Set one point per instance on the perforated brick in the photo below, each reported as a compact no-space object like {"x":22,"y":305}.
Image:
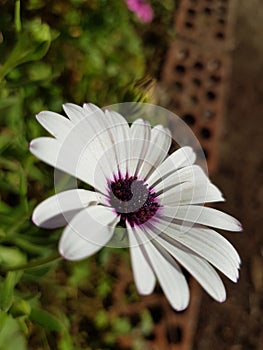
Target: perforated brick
{"x":196,"y":83}
{"x":171,"y":330}
{"x":211,"y":20}
{"x":197,"y":69}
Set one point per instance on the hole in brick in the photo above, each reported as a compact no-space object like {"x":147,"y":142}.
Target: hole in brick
{"x":174,"y":335}
{"x":220,"y":35}
{"x":191,"y":12}
{"x":215,"y":78}
{"x":156,"y":313}
{"x":214,"y":65}
{"x":86,"y":326}
{"x":221,"y":21}
{"x":188,"y":25}
{"x":135,"y":319}
{"x":210,"y":95}
{"x":205,"y":133}
{"x":197,"y":82}
{"x":207,"y":11}
{"x":208,"y":114}
{"x":150,"y":336}
{"x":194,"y":99}
{"x":179,"y":86}
{"x":188,"y":119}
{"x":180,"y":68}
{"x":108,"y":301}
{"x":198,"y":65}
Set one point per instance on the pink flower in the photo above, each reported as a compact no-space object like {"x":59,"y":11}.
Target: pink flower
{"x":142,"y":9}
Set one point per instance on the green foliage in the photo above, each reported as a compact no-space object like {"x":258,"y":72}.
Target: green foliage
{"x":45,"y":319}
{"x":7,"y":290}
{"x":52,"y":52}
{"x":32,"y":44}
{"x":11,"y":336}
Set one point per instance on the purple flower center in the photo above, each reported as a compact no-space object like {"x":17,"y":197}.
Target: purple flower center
{"x":132,"y":200}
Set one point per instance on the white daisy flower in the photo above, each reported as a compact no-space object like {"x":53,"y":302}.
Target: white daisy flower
{"x":157,"y":197}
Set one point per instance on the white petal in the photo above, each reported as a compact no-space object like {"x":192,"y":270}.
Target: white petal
{"x":120,"y":132}
{"x":142,"y":271}
{"x":207,"y":243}
{"x":55,"y":124}
{"x":46,"y":149}
{"x":203,"y":215}
{"x":157,"y":150}
{"x":74,"y":112}
{"x":90,"y":108}
{"x":140,"y":136}
{"x":182,"y":157}
{"x":92,"y":126}
{"x":198,"y":192}
{"x":199,"y":268}
{"x":72,"y":159}
{"x":88,"y":232}
{"x":115,"y":117}
{"x":168,"y":272}
{"x":190,"y":175}
{"x":184,"y":185}
{"x":58,"y":210}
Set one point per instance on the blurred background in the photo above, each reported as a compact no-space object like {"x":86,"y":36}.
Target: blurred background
{"x":201,"y":59}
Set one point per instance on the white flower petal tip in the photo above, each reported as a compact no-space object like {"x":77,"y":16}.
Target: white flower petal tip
{"x":239,"y":226}
{"x":45,"y":148}
{"x":91,"y":108}
{"x":33,"y":145}
{"x":54,"y":123}
{"x":221,"y":298}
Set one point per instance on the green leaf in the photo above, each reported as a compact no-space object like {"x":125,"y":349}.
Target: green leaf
{"x":146,"y":322}
{"x":37,"y":273}
{"x":102,"y":319}
{"x":7,"y":289}
{"x":122,"y":326}
{"x":11,"y":257}
{"x":11,"y":336}
{"x":45,"y":319}
{"x":20,"y":307}
{"x":104,"y":287}
{"x":8,"y":102}
{"x":80,"y":273}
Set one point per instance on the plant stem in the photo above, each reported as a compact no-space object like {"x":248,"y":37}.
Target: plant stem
{"x":35,"y":263}
{"x":18,"y":25}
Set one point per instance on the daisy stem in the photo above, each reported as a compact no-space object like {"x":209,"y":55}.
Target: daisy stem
{"x":35,"y":263}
